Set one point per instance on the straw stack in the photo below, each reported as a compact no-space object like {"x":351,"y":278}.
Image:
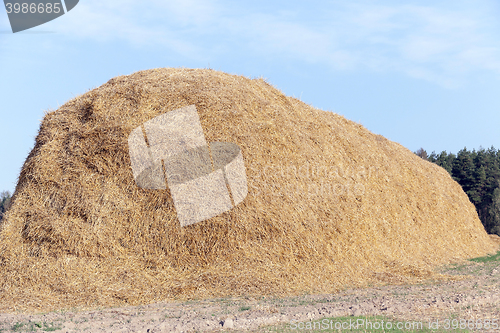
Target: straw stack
{"x":330,"y":205}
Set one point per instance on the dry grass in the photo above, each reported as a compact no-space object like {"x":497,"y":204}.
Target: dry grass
{"x":330,"y":204}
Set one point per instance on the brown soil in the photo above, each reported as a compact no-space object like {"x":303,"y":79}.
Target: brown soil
{"x":472,"y":292}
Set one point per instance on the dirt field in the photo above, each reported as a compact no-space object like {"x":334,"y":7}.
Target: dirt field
{"x":475,"y":297}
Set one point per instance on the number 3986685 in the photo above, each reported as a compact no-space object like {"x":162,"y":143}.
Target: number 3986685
{"x":33,"y":8}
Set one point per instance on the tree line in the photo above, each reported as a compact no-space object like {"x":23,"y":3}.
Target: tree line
{"x":478,"y":172}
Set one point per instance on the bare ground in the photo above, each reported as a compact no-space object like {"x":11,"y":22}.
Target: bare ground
{"x":475,"y":297}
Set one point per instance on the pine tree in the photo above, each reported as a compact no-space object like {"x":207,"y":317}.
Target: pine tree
{"x":495,"y":212}
{"x":463,"y":170}
{"x":446,"y":161}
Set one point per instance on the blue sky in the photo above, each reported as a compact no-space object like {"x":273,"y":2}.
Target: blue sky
{"x":421,"y":73}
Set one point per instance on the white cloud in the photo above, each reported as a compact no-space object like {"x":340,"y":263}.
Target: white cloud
{"x":439,"y":43}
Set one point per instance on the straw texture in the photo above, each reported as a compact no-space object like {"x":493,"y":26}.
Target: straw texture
{"x":330,"y":205}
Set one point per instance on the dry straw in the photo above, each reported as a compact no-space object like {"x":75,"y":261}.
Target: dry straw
{"x":330,"y":204}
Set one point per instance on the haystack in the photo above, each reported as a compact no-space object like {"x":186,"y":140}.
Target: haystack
{"x":326,"y":204}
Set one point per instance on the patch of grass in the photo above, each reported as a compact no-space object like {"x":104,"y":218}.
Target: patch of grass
{"x":34,"y":326}
{"x":17,"y":327}
{"x":493,"y":257}
{"x":474,"y":266}
{"x":366,"y":324}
